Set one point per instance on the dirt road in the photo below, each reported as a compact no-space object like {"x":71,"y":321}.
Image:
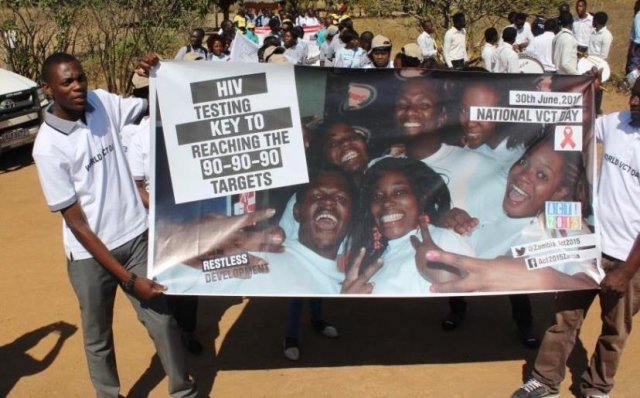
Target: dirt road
{"x":387,"y":348}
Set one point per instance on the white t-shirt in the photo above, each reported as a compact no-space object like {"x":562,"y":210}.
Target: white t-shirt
{"x":476,"y":182}
{"x":297,"y":271}
{"x":399,"y":275}
{"x":582,"y":29}
{"x":427,"y":45}
{"x":454,"y":47}
{"x":542,"y":48}
{"x":489,"y":56}
{"x":138,"y":154}
{"x":506,"y":60}
{"x":600,"y":43}
{"x":618,"y":209}
{"x":502,"y":155}
{"x":85,"y":163}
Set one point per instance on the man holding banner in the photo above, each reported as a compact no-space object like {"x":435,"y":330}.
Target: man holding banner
{"x":619,"y":219}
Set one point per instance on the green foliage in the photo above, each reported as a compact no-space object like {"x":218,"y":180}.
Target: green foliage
{"x":107,"y":35}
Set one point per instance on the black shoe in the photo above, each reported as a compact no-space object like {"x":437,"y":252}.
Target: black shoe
{"x":327,"y":329}
{"x":291,"y":349}
{"x":452,"y":321}
{"x":528,"y":338}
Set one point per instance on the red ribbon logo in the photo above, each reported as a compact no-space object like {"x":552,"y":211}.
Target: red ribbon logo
{"x":568,"y":138}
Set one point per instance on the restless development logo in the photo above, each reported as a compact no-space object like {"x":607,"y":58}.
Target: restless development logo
{"x":236,"y":266}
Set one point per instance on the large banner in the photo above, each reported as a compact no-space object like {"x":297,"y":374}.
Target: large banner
{"x":275,"y":180}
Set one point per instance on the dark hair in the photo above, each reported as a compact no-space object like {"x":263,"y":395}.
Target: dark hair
{"x":509,"y":34}
{"x":407,"y":61}
{"x":582,"y":1}
{"x":274,"y":23}
{"x":200,"y":31}
{"x":458,"y":18}
{"x":428,"y":187}
{"x":318,"y":141}
{"x":565,"y":19}
{"x":426,"y":22}
{"x":345,"y":24}
{"x":551,"y":25}
{"x":491,"y":35}
{"x":601,"y":18}
{"x":289,"y":25}
{"x":366,"y":36}
{"x":521,"y":16}
{"x":212,"y":39}
{"x":347,"y":35}
{"x":298,"y":32}
{"x":271,"y":41}
{"x":54,"y":60}
{"x":512,"y":16}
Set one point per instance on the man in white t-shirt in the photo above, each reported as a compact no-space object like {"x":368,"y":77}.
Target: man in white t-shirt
{"x":599,"y":46}
{"x":454,"y":48}
{"x":427,"y":42}
{"x":506,"y":57}
{"x":582,"y":26}
{"x":84,"y":175}
{"x":619,"y":219}
{"x":541,"y":46}
{"x":489,"y":56}
{"x":565,"y":47}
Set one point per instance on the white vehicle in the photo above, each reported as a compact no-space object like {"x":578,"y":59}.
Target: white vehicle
{"x":21,"y":104}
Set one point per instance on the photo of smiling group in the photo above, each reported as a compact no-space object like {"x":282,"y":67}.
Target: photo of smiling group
{"x":420,"y":184}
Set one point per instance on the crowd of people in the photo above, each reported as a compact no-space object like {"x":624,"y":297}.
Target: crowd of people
{"x":94,"y":147}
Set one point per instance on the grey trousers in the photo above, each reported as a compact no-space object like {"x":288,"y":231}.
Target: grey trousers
{"x":96,"y":288}
{"x":559,"y":340}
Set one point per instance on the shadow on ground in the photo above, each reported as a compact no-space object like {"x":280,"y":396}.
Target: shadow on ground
{"x":16,"y":159}
{"x":372,"y":332}
{"x":17,"y":362}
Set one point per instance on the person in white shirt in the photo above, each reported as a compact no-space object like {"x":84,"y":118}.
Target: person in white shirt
{"x":294,"y":48}
{"x":582,"y":26}
{"x":327,"y":53}
{"x":395,"y":194}
{"x":454,"y":48}
{"x":503,"y":142}
{"x":427,"y":42}
{"x":506,"y":57}
{"x":195,"y":45}
{"x":489,"y":51}
{"x":351,"y":55}
{"x":84,"y":175}
{"x":541,"y":46}
{"x":565,"y":47}
{"x":601,"y":38}
{"x":524,"y":34}
{"x":380,"y":53}
{"x":599,"y":46}
{"x":618,"y":213}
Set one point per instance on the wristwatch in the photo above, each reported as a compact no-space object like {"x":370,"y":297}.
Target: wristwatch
{"x":128,"y":285}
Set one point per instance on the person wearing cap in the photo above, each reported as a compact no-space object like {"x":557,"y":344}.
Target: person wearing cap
{"x":454,"y":49}
{"x":380,"y":53}
{"x":327,"y":53}
{"x":427,"y":42}
{"x":273,"y":54}
{"x":351,"y":56}
{"x":250,"y":33}
{"x":195,"y":45}
{"x":410,"y":56}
